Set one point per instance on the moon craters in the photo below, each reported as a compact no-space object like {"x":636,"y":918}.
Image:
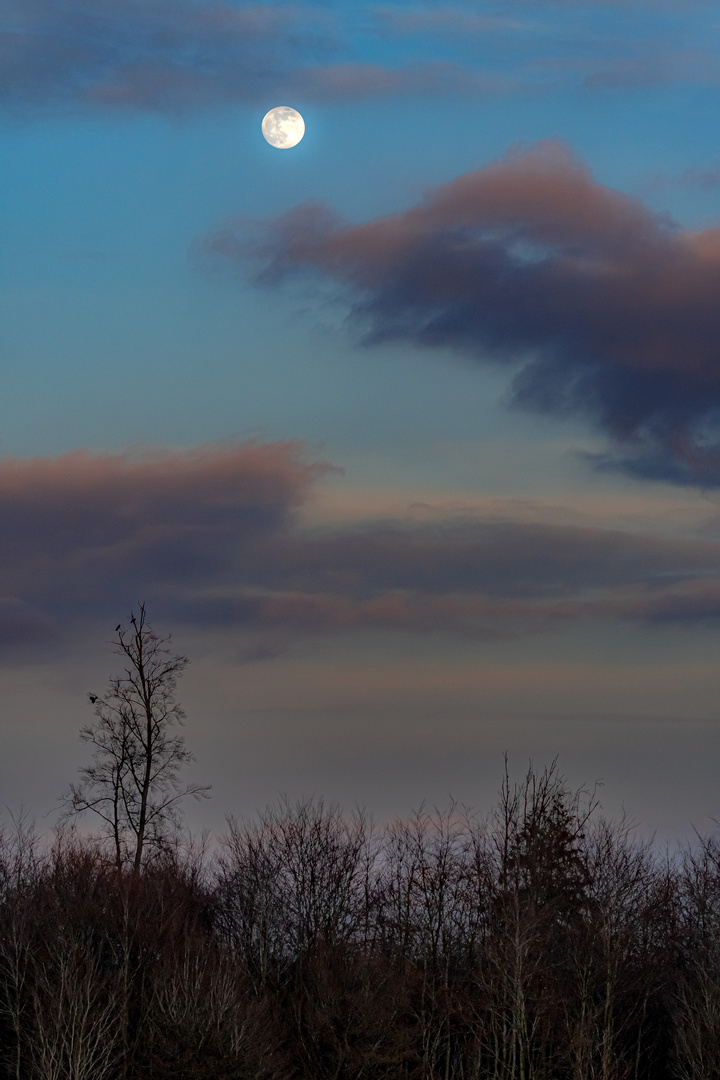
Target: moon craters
{"x":283,"y":127}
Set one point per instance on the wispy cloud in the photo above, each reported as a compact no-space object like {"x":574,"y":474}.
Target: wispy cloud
{"x":211,"y":538}
{"x":606,"y":310}
{"x":696,"y":178}
{"x":172,"y":56}
{"x":593,"y":44}
{"x":453,"y":21}
{"x":156,"y":54}
{"x":179,"y":55}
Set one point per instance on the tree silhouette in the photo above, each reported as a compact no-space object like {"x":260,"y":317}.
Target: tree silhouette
{"x":134,"y":785}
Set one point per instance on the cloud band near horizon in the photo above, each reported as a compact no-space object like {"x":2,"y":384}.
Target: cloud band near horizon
{"x":213,"y":538}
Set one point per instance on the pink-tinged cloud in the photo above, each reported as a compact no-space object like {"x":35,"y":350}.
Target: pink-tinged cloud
{"x":214,"y":537}
{"x":84,"y":532}
{"x":334,"y":81}
{"x":609,"y":311}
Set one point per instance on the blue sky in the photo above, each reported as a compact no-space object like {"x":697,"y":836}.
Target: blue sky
{"x":483,"y":567}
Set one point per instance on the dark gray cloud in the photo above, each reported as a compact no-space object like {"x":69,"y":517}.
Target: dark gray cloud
{"x":607,"y":310}
{"x":212,"y":538}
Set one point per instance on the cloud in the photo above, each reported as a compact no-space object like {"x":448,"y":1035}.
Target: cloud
{"x":704,"y":179}
{"x":592,"y":44}
{"x":213,"y":538}
{"x":445,"y":20}
{"x":696,"y":178}
{"x":174,"y":56}
{"x":353,"y":80}
{"x":660,"y":64}
{"x":84,"y":533}
{"x":177,"y":55}
{"x":150,"y":54}
{"x":603,"y":309}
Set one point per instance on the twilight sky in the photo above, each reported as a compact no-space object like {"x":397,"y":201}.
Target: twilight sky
{"x":410,"y":435}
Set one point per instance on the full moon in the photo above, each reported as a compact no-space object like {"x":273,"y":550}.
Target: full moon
{"x":283,"y":127}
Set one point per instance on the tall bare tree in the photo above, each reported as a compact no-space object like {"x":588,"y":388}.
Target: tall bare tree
{"x":134,"y":785}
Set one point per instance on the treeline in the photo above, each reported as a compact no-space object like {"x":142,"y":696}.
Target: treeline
{"x":543,"y":943}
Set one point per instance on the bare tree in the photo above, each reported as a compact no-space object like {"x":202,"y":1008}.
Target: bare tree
{"x":294,"y":879}
{"x":20,"y":868}
{"x":697,"y":994}
{"x":427,"y":918}
{"x":133,"y":785}
{"x":74,"y":1027}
